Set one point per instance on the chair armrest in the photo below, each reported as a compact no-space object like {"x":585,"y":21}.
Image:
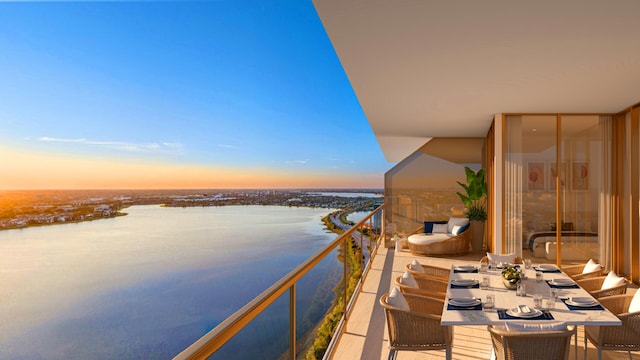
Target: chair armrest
{"x":617,"y":304}
{"x":591,"y":284}
{"x":573,"y":269}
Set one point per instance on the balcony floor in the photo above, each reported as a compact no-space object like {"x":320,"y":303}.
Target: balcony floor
{"x":366,"y":333}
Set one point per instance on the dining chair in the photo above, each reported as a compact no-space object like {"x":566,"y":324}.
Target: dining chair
{"x":531,"y":344}
{"x":417,"y":328}
{"x":518,"y":260}
{"x":578,"y":272}
{"x":596,"y":287}
{"x":416,"y":268}
{"x":426,"y":287}
{"x":622,"y":338}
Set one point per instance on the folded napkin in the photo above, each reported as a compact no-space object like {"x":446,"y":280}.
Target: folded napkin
{"x":557,"y":271}
{"x":572,"y":307}
{"x":502,"y":315}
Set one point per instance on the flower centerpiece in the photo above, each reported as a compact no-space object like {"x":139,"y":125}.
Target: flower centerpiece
{"x":510,"y":277}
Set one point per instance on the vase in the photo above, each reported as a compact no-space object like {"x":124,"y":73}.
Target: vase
{"x":510,"y":284}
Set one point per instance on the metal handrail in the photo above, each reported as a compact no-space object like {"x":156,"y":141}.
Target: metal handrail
{"x":223,"y":332}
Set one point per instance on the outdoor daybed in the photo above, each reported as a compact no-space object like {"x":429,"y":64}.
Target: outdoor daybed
{"x":442,"y":238}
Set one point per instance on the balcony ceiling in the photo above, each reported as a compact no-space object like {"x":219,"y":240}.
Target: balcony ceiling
{"x":434,"y":68}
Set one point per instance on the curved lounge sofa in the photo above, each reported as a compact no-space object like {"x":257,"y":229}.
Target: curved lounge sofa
{"x":440,"y":243}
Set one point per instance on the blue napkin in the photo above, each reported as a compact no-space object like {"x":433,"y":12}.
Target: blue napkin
{"x":574,"y":286}
{"x":572,"y":307}
{"x":474,"y":271}
{"x":476,"y":286}
{"x":557,"y":271}
{"x":502,"y":315}
{"x":455,"y":307}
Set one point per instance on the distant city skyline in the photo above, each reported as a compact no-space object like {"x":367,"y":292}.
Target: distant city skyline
{"x":151,"y":95}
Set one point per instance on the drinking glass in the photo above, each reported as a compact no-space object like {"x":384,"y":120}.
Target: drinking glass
{"x":527,"y":263}
{"x":550,"y":303}
{"x":489,"y":302}
{"x":484,"y":267}
{"x":484,"y":283}
{"x":537,"y":301}
{"x":554,"y":293}
{"x":539,"y":276}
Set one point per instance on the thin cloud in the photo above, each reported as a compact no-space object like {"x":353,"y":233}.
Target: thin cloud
{"x":119,"y":145}
{"x":301,"y":162}
{"x":225,"y":146}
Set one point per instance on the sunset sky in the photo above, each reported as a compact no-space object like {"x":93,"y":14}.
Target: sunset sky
{"x":224,"y":94}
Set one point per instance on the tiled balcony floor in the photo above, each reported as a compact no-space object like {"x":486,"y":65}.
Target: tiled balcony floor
{"x":366,"y":333}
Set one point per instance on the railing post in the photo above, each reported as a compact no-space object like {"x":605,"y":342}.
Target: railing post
{"x":292,"y":322}
{"x":344,"y":275}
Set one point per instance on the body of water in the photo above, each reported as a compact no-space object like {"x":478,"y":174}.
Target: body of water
{"x":149,"y":284}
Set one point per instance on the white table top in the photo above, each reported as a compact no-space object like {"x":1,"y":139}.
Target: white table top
{"x":507,"y":299}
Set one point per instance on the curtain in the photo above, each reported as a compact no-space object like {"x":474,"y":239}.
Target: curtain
{"x":513,"y":183}
{"x":605,"y":201}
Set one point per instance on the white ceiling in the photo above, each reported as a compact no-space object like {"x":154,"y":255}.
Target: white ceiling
{"x":443,"y":68}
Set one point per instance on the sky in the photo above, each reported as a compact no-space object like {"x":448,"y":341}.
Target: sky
{"x":207,"y":94}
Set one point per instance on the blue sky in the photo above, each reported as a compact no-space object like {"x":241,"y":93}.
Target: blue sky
{"x":251,"y":87}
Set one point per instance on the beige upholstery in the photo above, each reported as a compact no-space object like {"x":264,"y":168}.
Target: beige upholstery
{"x":625,"y":337}
{"x":513,"y":345}
{"x":455,"y":245}
{"x":419,"y":328}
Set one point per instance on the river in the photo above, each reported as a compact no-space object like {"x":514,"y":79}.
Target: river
{"x":151,"y":283}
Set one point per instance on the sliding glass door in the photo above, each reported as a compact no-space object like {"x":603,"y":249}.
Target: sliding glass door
{"x":555,"y":168}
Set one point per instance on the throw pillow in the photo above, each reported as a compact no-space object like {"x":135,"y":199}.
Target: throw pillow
{"x":440,"y":228}
{"x":408,"y":279}
{"x":590,"y":266}
{"x":456,"y":221}
{"x":396,"y":299}
{"x":612,"y":280}
{"x":635,"y":302}
{"x":555,"y":326}
{"x":415,"y":266}
{"x":428,"y":226}
{"x":456,"y":230}
{"x":505,"y":258}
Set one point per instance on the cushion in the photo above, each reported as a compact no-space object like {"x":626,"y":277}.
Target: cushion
{"x":428,"y":225}
{"x":550,"y":326}
{"x":408,"y":279}
{"x":612,"y":280}
{"x":504,"y":258}
{"x":635,"y":302}
{"x":440,"y":229}
{"x":456,"y":221}
{"x":456,"y":229}
{"x":590,"y":266}
{"x":397,"y":299}
{"x":415,"y":266}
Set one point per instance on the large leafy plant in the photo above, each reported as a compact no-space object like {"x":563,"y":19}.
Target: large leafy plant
{"x":475,"y":195}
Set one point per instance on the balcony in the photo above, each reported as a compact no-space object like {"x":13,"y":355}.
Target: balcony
{"x":364,"y":334}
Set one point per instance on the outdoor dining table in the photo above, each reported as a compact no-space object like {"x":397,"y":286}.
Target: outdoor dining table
{"x":506,"y":299}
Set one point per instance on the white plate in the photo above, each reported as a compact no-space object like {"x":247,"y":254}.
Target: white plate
{"x":533,"y":313}
{"x":562,"y":282}
{"x":582,"y":301}
{"x":547,"y":267}
{"x":464,"y":282}
{"x":465,"y":302}
{"x":465,"y":267}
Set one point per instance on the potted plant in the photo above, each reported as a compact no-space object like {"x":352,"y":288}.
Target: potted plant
{"x":474,"y":198}
{"x":510,"y":277}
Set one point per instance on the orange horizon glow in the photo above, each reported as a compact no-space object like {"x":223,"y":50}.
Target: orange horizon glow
{"x":39,"y":171}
